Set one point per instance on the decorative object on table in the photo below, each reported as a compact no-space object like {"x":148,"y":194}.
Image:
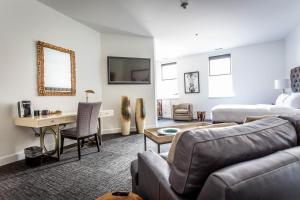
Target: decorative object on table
{"x":87,"y":92}
{"x":86,"y":125}
{"x":140,"y":115}
{"x":201,"y":116}
{"x":56,"y":112}
{"x":125,"y":115}
{"x":282,"y":84}
{"x":168,"y":131}
{"x":56,"y":70}
{"x":33,"y":156}
{"x":191,"y":82}
{"x":24,"y":108}
{"x":37,"y":113}
{"x":183,"y":111}
{"x":45,"y":112}
{"x":120,"y":196}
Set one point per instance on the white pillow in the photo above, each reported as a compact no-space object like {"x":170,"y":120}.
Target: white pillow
{"x":281,"y":99}
{"x":292,"y":101}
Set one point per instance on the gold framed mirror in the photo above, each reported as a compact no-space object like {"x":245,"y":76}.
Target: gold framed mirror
{"x":56,"y":70}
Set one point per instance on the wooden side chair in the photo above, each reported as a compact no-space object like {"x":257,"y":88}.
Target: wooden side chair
{"x":86,"y":125}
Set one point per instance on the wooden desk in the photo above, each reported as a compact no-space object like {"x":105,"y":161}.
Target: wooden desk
{"x":50,"y":125}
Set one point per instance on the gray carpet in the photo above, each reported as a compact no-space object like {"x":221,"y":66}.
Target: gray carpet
{"x":95,"y":174}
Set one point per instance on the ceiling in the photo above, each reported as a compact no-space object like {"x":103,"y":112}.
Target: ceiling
{"x":217,"y":23}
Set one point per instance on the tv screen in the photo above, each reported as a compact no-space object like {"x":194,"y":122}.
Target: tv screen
{"x":123,"y":70}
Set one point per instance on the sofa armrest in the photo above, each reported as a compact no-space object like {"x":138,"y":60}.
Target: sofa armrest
{"x":153,"y":177}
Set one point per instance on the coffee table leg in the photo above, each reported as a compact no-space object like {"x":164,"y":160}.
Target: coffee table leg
{"x":158,"y":148}
{"x":145,"y":143}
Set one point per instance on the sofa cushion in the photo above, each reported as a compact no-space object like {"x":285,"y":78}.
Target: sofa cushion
{"x":275,"y":176}
{"x":201,"y":152}
{"x":295,"y":120}
{"x":170,"y":156}
{"x":181,"y":111}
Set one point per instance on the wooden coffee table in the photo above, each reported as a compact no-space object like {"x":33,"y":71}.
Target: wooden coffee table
{"x":153,"y":135}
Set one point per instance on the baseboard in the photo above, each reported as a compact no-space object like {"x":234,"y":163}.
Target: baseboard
{"x":4,"y":160}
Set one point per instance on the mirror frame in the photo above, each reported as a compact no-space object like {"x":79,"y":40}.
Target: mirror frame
{"x":40,"y":63}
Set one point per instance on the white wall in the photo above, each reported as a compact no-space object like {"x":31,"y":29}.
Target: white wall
{"x":254,"y":70}
{"x":292,"y":45}
{"x":126,"y":46}
{"x":22,"y":24}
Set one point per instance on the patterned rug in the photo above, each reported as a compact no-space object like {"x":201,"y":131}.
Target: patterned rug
{"x":95,"y":174}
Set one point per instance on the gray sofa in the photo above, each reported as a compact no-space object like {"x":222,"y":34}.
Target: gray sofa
{"x":257,"y":160}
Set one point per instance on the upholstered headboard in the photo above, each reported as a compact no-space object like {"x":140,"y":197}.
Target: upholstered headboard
{"x":295,"y":79}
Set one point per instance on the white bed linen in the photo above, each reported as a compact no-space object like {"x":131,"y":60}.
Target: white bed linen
{"x":238,"y":112}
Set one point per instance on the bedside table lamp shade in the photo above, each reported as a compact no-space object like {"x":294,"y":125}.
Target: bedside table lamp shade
{"x":282,"y":84}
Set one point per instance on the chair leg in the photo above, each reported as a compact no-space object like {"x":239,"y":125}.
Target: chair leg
{"x":82,"y":143}
{"x":100,"y":137}
{"x":62,"y":144}
{"x":78,"y":146}
{"x":97,"y":142}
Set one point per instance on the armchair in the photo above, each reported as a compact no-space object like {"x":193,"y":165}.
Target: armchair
{"x":183,"y":112}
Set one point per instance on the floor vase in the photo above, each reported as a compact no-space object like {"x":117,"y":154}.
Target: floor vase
{"x":140,"y":115}
{"x":125,"y":115}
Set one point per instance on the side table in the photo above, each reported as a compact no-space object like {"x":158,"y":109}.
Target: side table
{"x":201,"y":116}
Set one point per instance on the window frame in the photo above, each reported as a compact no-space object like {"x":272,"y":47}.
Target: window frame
{"x":162,"y":74}
{"x":227,"y":74}
{"x":219,"y":57}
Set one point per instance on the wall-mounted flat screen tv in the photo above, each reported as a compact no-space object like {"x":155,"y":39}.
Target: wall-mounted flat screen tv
{"x":125,"y":70}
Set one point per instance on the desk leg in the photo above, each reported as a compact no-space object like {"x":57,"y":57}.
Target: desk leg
{"x":145,"y":143}
{"x":53,"y":130}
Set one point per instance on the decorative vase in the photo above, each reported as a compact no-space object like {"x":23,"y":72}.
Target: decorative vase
{"x":125,"y":115}
{"x":140,"y":115}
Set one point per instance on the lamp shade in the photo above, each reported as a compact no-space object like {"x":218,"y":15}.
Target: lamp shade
{"x":282,"y":84}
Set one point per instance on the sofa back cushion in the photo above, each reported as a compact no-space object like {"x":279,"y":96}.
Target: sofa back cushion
{"x":275,"y":176}
{"x":172,"y":149}
{"x":201,"y":152}
{"x":295,"y":120}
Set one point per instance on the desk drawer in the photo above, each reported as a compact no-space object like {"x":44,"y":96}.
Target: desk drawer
{"x":48,"y":122}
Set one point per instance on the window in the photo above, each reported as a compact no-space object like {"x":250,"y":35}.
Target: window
{"x":220,"y":76}
{"x":169,"y":80}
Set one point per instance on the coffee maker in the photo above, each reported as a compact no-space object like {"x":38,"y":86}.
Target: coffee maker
{"x":24,"y":108}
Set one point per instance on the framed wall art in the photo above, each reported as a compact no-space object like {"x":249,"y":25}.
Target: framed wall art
{"x":191,"y":82}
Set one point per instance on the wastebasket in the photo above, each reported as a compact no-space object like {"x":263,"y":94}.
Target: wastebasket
{"x":33,"y":156}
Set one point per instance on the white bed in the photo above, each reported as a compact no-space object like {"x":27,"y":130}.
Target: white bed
{"x":285,"y":105}
{"x":238,"y":113}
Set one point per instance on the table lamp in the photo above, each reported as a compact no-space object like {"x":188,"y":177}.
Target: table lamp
{"x":282,"y":84}
{"x":87,"y":92}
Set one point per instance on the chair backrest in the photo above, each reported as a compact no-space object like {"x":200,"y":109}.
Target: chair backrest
{"x":184,"y":106}
{"x":87,"y":118}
